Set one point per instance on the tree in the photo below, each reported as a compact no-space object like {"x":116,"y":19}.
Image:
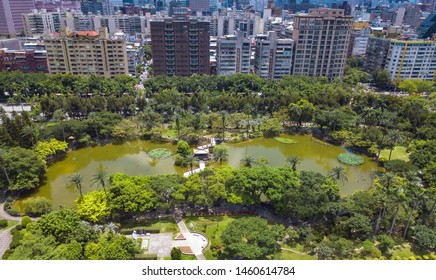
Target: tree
{"x":220,"y":154}
{"x":382,"y":78}
{"x":22,"y":169}
{"x":183,"y":148}
{"x":338,"y":173}
{"x":111,"y":247}
{"x":249,"y":238}
{"x":126,"y":128}
{"x":424,"y":238}
{"x":385,"y":243}
{"x":393,"y":138}
{"x":76,"y":181}
{"x":358,"y":226}
{"x":302,"y":111}
{"x":51,"y":148}
{"x":100,"y":177}
{"x":93,"y":207}
{"x":176,"y":254}
{"x":224,"y":117}
{"x":190,"y":160}
{"x":248,"y":161}
{"x":293,"y":161}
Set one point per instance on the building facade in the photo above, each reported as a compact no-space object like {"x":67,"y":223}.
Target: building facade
{"x":233,"y":54}
{"x":86,"y":52}
{"x":23,"y":60}
{"x":376,"y":53}
{"x":321,"y":40}
{"x":11,"y":21}
{"x":411,"y":60}
{"x":273,"y":56}
{"x":41,"y":22}
{"x":180,"y":46}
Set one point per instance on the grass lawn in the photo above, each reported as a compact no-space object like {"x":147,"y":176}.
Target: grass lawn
{"x":398,"y":153}
{"x":10,"y":224}
{"x":213,"y":227}
{"x":288,"y":255}
{"x":188,"y":257}
{"x":172,"y":133}
{"x":164,"y":225}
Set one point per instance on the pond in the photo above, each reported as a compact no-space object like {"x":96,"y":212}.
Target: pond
{"x":131,"y":158}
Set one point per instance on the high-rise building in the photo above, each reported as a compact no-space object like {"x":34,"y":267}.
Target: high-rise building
{"x":86,"y":52}
{"x":180,"y":46}
{"x":321,"y":40}
{"x":55,"y":5}
{"x":427,"y":29}
{"x":11,"y":21}
{"x":23,"y":60}
{"x":411,"y":60}
{"x":103,"y":7}
{"x":376,"y":53}
{"x":412,"y":16}
{"x":41,"y":22}
{"x":233,"y":54}
{"x":273,"y":56}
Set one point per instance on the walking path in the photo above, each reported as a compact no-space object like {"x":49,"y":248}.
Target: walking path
{"x":195,"y":247}
{"x":6,"y":216}
{"x":5,"y":240}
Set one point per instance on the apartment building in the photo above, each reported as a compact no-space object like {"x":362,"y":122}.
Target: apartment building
{"x":11,"y":21}
{"x":411,"y":60}
{"x":41,"y":22}
{"x":233,"y":54}
{"x":86,"y":52}
{"x":180,"y":46}
{"x":23,"y":60}
{"x":376,"y":53}
{"x":321,"y":40}
{"x":273,"y":56}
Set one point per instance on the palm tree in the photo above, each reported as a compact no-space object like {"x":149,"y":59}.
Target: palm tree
{"x":399,"y":198}
{"x":100,"y":177}
{"x":31,"y":131}
{"x":3,"y":153}
{"x":338,"y":173}
{"x":394,"y":138}
{"x":248,"y":161}
{"x":60,"y":116}
{"x":76,"y":181}
{"x":224,"y":116}
{"x":417,"y":195}
{"x":293,"y":161}
{"x":190,"y":160}
{"x":220,"y":154}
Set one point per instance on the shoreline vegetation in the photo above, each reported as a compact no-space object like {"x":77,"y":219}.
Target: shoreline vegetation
{"x":70,"y":112}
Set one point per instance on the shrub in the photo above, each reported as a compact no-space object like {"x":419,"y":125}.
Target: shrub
{"x":350,"y":159}
{"x":3,"y":223}
{"x":19,"y":227}
{"x":9,"y":207}
{"x":36,"y":205}
{"x":25,"y":221}
{"x":176,"y":254}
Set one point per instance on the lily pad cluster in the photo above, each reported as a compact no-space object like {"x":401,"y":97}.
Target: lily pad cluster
{"x":350,"y":159}
{"x":160,"y":153}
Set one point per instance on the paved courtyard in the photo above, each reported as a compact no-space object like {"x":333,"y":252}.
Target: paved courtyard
{"x":160,"y":244}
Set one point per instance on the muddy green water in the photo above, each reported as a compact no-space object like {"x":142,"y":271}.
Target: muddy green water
{"x":131,"y":158}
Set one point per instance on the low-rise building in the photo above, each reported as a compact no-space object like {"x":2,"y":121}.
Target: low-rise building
{"x":23,"y":60}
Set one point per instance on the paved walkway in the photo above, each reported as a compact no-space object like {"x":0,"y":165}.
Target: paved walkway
{"x":5,"y":240}
{"x":160,"y":244}
{"x":195,"y":246}
{"x":6,"y":216}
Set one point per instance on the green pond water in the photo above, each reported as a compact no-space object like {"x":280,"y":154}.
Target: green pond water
{"x":131,"y":158}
